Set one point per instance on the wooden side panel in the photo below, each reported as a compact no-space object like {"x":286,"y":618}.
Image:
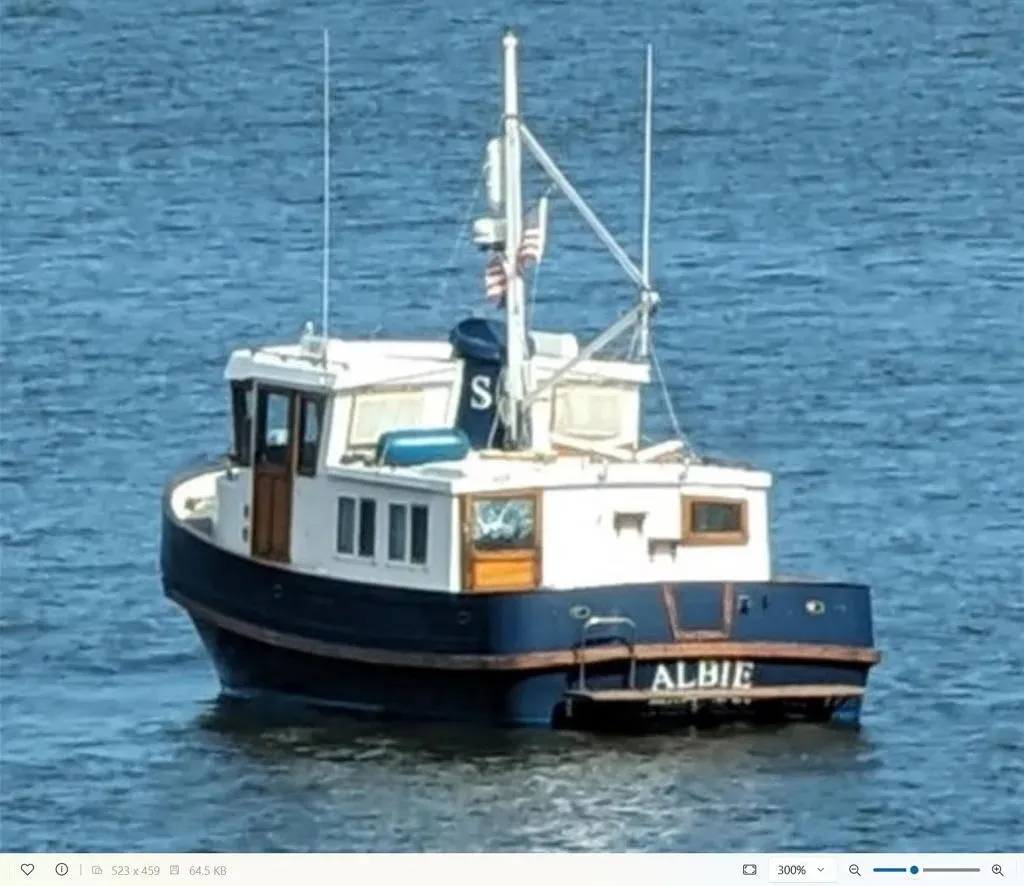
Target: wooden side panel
{"x":281,"y":522}
{"x":272,"y":516}
{"x":262,"y":514}
{"x":274,"y":464}
{"x":507,"y":574}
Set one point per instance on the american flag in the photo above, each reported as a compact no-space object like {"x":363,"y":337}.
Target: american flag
{"x":531,"y":249}
{"x":495,"y":279}
{"x":535,"y":235}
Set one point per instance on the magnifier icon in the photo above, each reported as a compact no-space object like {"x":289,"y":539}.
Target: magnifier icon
{"x":855,"y":870}
{"x":997,"y":869}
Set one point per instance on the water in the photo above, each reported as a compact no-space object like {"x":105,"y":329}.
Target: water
{"x":839,"y":208}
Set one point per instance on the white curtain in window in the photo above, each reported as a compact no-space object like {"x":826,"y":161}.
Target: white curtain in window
{"x":590,"y":411}
{"x":375,"y":413}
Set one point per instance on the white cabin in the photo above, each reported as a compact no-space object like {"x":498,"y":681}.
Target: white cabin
{"x":550,"y":489}
{"x":582,"y":506}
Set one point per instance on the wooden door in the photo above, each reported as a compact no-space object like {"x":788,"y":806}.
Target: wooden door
{"x":501,"y":535}
{"x":273,"y":473}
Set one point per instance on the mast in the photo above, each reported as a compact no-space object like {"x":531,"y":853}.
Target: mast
{"x":325,"y":294}
{"x":645,"y":263}
{"x":518,"y":397}
{"x":515,"y":345}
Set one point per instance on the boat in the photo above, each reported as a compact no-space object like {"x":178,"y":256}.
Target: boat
{"x":475,"y":530}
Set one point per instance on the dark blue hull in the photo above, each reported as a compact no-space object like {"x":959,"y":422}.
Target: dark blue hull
{"x":249,"y":669}
{"x":705,"y":651}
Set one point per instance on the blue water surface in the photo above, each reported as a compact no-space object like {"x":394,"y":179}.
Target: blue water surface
{"x":839,"y":239}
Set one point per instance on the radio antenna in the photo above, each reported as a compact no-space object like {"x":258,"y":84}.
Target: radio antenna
{"x":325,"y":295}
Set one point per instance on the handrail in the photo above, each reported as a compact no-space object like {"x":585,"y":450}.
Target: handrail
{"x":595,"y":621}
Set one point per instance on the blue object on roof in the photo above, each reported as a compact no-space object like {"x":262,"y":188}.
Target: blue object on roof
{"x":419,"y":446}
{"x":480,"y":338}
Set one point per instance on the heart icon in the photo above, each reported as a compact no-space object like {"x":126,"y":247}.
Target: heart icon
{"x":27,"y":869}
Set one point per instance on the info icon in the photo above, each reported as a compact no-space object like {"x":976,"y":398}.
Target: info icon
{"x":750,"y":870}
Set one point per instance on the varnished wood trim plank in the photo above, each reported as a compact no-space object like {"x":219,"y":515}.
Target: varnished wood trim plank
{"x":752,"y":693}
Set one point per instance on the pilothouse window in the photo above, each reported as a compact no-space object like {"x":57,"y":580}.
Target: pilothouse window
{"x":311,"y":419}
{"x":241,"y":423}
{"x":373,"y":413}
{"x":275,"y":422}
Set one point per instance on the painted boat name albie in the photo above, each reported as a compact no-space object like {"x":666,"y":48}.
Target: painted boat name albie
{"x":703,"y":675}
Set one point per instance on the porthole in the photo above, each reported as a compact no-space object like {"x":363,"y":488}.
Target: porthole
{"x":580,"y":612}
{"x":814,"y":607}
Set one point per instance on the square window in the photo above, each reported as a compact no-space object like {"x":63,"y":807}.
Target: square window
{"x":504,"y":523}
{"x":714,"y":521}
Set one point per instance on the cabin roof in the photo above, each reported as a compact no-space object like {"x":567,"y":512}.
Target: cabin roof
{"x":492,"y":472}
{"x":353,"y":363}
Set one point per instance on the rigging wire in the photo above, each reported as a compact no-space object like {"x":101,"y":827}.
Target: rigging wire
{"x":689,"y":454}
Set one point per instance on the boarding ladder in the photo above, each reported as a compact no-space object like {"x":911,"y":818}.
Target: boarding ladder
{"x":600,"y":621}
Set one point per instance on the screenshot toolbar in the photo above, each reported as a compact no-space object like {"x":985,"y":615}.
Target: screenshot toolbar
{"x":747,"y":869}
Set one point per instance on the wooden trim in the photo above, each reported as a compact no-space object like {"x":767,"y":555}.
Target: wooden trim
{"x":469,"y":554}
{"x":679,"y":631}
{"x":465,"y":542}
{"x":728,"y":607}
{"x":509,"y":554}
{"x":751,"y":693}
{"x":534,"y":661}
{"x":268,"y":478}
{"x":701,"y":539}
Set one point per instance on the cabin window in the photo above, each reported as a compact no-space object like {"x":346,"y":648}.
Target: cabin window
{"x":593,"y":412}
{"x":311,"y":420}
{"x":710,"y":521}
{"x":373,"y":413}
{"x":398,"y":531}
{"x":367,"y":527}
{"x":408,"y":533}
{"x":420,"y":522}
{"x":504,"y":524}
{"x":241,"y":423}
{"x":275,"y":428}
{"x":357,"y":526}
